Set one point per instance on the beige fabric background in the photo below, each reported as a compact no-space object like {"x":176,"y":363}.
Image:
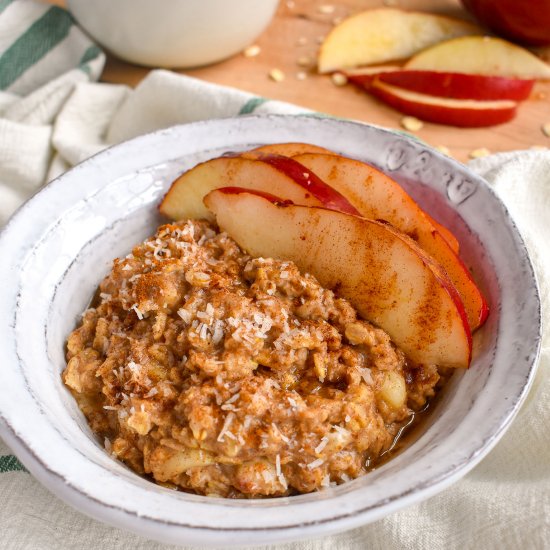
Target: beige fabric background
{"x":504,"y":503}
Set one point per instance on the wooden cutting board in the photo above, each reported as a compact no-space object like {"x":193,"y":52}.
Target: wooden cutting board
{"x":295,"y":33}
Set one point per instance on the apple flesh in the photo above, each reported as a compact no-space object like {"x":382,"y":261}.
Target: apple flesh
{"x":287,"y":149}
{"x":268,"y":196}
{"x":330,"y":198}
{"x":386,"y":34}
{"x":454,"y":112}
{"x":452,"y":241}
{"x":280,"y":176}
{"x":452,"y":85}
{"x":385,"y":275}
{"x":376,"y":196}
{"x":480,"y":55}
{"x":526,"y":22}
{"x":184,"y":199}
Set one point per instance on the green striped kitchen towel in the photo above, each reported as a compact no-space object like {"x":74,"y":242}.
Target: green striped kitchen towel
{"x":53,"y":116}
{"x":44,"y":55}
{"x":40,"y":42}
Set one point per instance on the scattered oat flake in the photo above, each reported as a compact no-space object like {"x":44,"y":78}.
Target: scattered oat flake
{"x":546,"y":129}
{"x":479,"y":153}
{"x":411,"y":123}
{"x":339,"y":79}
{"x":326,"y":9}
{"x":443,"y":149}
{"x":304,"y":61}
{"x":276,"y":75}
{"x":302,"y":41}
{"x":252,"y":51}
{"x":290,"y":4}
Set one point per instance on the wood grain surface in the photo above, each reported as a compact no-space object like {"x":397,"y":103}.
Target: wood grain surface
{"x":282,"y":44}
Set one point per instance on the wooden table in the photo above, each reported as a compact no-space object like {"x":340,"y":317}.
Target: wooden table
{"x":301,"y":21}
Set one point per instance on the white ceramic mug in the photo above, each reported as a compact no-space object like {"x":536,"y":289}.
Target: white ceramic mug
{"x":173,"y":33}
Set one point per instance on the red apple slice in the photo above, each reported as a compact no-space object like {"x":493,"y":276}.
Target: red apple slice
{"x":465,"y":113}
{"x":481,"y":55}
{"x":452,"y":241}
{"x":383,"y":273}
{"x":452,"y":85}
{"x":386,"y":34}
{"x":287,"y":149}
{"x":294,"y":149}
{"x":273,"y":174}
{"x":378,"y":197}
{"x":329,"y":197}
{"x":184,"y":199}
{"x":527,"y":22}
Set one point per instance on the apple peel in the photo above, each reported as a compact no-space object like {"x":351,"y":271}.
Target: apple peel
{"x":454,"y":112}
{"x":453,"y":85}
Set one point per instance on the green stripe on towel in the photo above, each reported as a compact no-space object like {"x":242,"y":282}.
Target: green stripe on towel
{"x":39,"y":39}
{"x":90,"y":54}
{"x":251,"y":105}
{"x":4,"y":4}
{"x":9,"y":463}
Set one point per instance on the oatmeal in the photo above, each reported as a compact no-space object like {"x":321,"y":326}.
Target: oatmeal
{"x":221,"y":374}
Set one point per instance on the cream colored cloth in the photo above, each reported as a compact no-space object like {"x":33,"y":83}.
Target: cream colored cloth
{"x":43,"y":56}
{"x":93,"y":116}
{"x":504,"y":503}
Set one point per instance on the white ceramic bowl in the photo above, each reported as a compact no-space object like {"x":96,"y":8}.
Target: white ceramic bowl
{"x":173,"y":33}
{"x":60,"y":245}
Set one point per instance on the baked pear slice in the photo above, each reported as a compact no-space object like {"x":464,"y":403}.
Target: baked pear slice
{"x":388,"y":278}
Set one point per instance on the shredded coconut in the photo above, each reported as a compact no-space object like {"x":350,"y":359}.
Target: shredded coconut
{"x":227,"y":423}
{"x":315,"y":464}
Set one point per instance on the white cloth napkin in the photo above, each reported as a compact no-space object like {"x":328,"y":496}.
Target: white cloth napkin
{"x":503,"y":503}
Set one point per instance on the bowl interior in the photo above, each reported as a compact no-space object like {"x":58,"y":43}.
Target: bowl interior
{"x":99,"y":210}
